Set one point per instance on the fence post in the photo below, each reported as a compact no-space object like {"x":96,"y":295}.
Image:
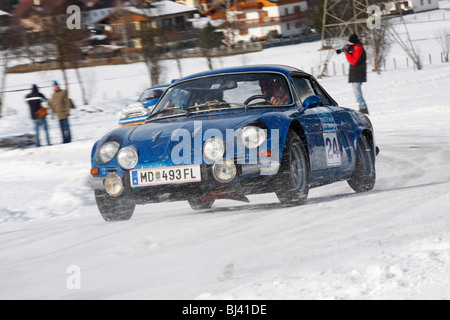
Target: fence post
{"x":395,"y":64}
{"x":407,"y":62}
{"x":429,"y":56}
{"x":334,"y":68}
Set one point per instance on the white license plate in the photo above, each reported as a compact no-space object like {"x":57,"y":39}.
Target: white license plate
{"x":169,"y":175}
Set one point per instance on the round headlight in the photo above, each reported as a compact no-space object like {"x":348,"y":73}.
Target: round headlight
{"x":108,"y":151}
{"x":224,"y":171}
{"x":252,"y":137}
{"x":127,"y":158}
{"x":113,"y":185}
{"x":213,"y":149}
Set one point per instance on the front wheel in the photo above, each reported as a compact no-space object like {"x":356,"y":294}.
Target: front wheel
{"x":363,"y":178}
{"x":112,"y":208}
{"x":291,"y":184}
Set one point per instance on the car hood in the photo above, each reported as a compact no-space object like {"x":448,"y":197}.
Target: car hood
{"x":222,"y":120}
{"x":156,"y":140}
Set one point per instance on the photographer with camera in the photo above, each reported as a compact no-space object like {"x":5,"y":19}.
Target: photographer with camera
{"x":356,"y":56}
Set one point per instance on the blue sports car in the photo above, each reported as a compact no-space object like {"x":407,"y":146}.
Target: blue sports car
{"x":228,"y":133}
{"x":136,"y":112}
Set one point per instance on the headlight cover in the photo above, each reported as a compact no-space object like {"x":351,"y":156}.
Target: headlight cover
{"x":114,"y":185}
{"x":224,"y":171}
{"x":127,"y":158}
{"x":252,"y":137}
{"x":213,"y":149}
{"x":108,"y":151}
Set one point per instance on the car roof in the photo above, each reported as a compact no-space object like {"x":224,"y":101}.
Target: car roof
{"x":159,"y":87}
{"x":286,"y":70}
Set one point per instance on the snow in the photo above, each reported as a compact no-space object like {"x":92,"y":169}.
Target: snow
{"x":390,"y":243}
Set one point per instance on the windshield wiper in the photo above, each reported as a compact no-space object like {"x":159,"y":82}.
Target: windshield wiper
{"x":206,"y":106}
{"x":167,"y":110}
{"x":209,"y":105}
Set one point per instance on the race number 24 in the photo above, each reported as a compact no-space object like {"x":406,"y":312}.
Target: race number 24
{"x":332,"y":149}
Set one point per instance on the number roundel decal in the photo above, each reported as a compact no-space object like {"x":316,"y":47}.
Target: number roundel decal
{"x":330,"y":137}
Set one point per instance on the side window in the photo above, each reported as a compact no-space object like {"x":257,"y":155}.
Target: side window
{"x":302,"y":87}
{"x":319,"y":92}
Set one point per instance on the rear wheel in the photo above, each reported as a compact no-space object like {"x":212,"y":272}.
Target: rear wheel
{"x":198,"y":204}
{"x":363,"y":178}
{"x":291,"y":184}
{"x":112,"y":208}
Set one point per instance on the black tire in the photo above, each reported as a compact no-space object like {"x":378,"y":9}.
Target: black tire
{"x":291,"y":184}
{"x":197,"y":204}
{"x":364,"y":176}
{"x":113,"y":209}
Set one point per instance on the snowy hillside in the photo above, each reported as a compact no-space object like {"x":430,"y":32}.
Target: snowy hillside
{"x":390,"y":243}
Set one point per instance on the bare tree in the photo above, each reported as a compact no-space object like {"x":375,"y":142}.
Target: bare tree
{"x":380,"y":44}
{"x":151,"y":52}
{"x":174,"y":39}
{"x":443,"y":37}
{"x":4,"y":59}
{"x":207,"y":41}
{"x":10,"y":42}
{"x":66,"y":42}
{"x":150,"y":35}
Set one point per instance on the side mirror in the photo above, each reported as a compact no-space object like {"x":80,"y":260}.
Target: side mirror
{"x":311,"y":102}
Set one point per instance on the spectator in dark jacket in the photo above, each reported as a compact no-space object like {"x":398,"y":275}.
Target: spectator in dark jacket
{"x":35,"y":99}
{"x":356,"y":56}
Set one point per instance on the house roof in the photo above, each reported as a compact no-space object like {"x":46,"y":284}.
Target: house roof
{"x":163,"y":8}
{"x":2,"y":13}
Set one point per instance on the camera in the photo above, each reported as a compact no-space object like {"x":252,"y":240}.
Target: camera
{"x":347,"y":48}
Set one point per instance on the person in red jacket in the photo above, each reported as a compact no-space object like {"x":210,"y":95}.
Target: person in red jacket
{"x":356,"y":56}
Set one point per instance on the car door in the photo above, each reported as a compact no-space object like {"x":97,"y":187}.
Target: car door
{"x":337,"y":143}
{"x":325,"y":139}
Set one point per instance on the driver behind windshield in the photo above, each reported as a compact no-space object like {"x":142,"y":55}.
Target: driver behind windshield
{"x":214,"y":96}
{"x":276,"y":91}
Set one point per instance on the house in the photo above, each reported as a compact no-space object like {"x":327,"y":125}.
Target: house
{"x":424,"y":5}
{"x":249,"y":19}
{"x":123,"y":25}
{"x":408,"y":6}
{"x":95,"y":10}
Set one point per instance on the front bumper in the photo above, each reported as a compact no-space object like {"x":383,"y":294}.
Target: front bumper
{"x":246,"y":173}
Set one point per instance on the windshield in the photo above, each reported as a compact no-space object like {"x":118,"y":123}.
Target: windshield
{"x":224,"y":91}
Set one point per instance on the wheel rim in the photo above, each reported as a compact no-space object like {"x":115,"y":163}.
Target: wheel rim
{"x":298,"y":168}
